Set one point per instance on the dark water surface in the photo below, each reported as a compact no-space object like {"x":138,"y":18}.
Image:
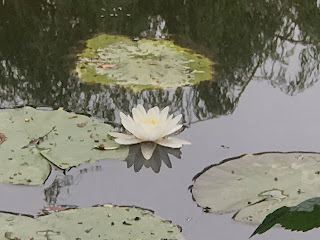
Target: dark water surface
{"x":264,"y":96}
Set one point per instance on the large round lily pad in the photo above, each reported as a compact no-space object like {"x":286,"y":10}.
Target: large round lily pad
{"x":96,"y":223}
{"x":30,"y":137}
{"x":255,"y":185}
{"x":142,"y":64}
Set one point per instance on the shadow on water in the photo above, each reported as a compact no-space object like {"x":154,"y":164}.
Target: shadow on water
{"x":62,"y":180}
{"x":161,"y":154}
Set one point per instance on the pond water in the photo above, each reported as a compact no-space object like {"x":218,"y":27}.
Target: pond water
{"x":264,"y":96}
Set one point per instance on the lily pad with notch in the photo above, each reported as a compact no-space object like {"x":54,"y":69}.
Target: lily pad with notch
{"x":20,"y":165}
{"x":74,"y":140}
{"x":254,"y":185}
{"x":100,"y":222}
{"x":32,"y":137}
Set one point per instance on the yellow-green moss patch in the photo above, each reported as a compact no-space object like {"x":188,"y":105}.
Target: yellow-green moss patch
{"x":141,"y":64}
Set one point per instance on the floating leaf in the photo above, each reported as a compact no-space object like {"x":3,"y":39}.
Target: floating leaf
{"x":56,"y":208}
{"x":105,"y":66}
{"x":102,"y":147}
{"x":71,"y":145}
{"x":2,"y":138}
{"x":255,"y":185}
{"x":18,"y":165}
{"x":303,"y":217}
{"x":53,"y":135}
{"x":80,"y":124}
{"x":101,"y":222}
{"x":141,"y":64}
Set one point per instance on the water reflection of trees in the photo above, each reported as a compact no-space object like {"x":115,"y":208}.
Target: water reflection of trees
{"x":293,"y":63}
{"x":52,"y":192}
{"x":281,"y":35}
{"x":274,"y":41}
{"x":59,"y":187}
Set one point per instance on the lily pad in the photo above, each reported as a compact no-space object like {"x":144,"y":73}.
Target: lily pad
{"x":303,"y":217}
{"x":254,"y":185}
{"x":66,"y":139}
{"x":19,"y":166}
{"x":110,"y":59}
{"x":76,"y":140}
{"x":101,"y":222}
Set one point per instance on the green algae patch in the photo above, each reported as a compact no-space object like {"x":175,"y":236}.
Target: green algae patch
{"x":95,"y":223}
{"x":142,"y":64}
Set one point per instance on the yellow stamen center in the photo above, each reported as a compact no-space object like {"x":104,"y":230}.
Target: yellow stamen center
{"x":149,"y":120}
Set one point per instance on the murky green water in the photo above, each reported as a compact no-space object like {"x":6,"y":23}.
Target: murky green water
{"x":264,"y":95}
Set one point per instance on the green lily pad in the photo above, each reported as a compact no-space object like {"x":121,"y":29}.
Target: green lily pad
{"x":303,"y":217}
{"x":255,"y":185}
{"x":19,"y":166}
{"x":101,"y":222}
{"x":31,"y":137}
{"x":142,"y":64}
{"x":76,"y":140}
{"x":24,"y":166}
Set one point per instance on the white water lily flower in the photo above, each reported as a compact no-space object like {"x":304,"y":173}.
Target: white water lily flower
{"x":150,"y":128}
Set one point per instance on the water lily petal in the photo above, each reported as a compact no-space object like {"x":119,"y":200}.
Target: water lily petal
{"x":128,"y":123}
{"x":128,"y":140}
{"x":171,"y":124}
{"x":141,"y":132}
{"x":155,"y":133}
{"x":162,"y":128}
{"x":151,"y":126}
{"x":152,"y":113}
{"x":147,"y":149}
{"x":118,"y":135}
{"x":137,"y":115}
{"x":142,"y":110}
{"x":172,"y":142}
{"x":164,"y":114}
{"x":148,"y":132}
{"x":174,"y":129}
{"x":176,"y":119}
{"x":157,"y":111}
